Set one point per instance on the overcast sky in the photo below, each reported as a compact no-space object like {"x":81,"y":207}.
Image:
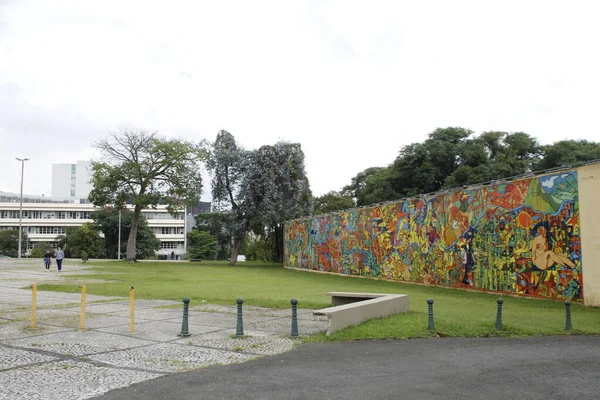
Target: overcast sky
{"x":351,"y":81}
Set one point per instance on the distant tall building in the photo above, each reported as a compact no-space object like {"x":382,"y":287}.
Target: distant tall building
{"x":71,"y":180}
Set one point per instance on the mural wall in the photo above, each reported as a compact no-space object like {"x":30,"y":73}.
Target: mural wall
{"x":519,"y":237}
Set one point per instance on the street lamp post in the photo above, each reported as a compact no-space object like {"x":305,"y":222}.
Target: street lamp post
{"x":119,"y":244}
{"x":21,"y":203}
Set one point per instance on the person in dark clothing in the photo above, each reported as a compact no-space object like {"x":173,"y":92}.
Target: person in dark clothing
{"x":468,"y":262}
{"x":47,"y":260}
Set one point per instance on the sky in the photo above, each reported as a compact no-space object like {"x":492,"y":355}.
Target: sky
{"x":351,"y":81}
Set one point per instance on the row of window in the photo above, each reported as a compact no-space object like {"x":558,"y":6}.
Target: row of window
{"x":27,"y":214}
{"x":46,"y":214}
{"x":171,"y":245}
{"x":158,"y":215}
{"x":45,"y":230}
{"x":28,"y":200}
{"x":60,"y":230}
{"x":169,"y":230}
{"x":31,"y":245}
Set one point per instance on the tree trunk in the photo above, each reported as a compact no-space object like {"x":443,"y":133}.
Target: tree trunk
{"x":278,"y":243}
{"x":235,"y":250}
{"x":132,"y":240}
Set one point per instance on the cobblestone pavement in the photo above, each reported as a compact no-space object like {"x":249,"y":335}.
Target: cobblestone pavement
{"x":58,"y":361}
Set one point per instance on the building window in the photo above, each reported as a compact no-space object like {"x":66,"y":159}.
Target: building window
{"x":159,"y":215}
{"x":171,"y":245}
{"x":46,"y":230}
{"x":10,"y":214}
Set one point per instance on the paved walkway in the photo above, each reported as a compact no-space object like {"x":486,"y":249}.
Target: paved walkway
{"x":57,"y":361}
{"x":540,"y":368}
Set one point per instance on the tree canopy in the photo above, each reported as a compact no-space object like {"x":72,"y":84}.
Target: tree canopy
{"x":9,"y":242}
{"x":106,"y":220}
{"x":454,"y":157}
{"x":83,"y":239}
{"x":257,"y":189}
{"x":218,"y":225}
{"x":568,"y":152}
{"x":332,"y":201}
{"x":202,"y":245}
{"x":144,"y":169}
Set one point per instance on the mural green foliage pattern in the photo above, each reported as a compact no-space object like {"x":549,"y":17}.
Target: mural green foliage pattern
{"x":519,"y":237}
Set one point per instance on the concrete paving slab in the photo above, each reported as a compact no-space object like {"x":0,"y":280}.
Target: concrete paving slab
{"x":169,"y":357}
{"x":67,"y":380}
{"x":57,"y":361}
{"x":79,"y":343}
{"x":140,"y":305}
{"x":11,"y":358}
{"x":92,"y":321}
{"x":230,"y":319}
{"x":159,"y":331}
{"x":305,"y":327}
{"x":147,"y":313}
{"x":18,"y":329}
{"x":254,"y":342}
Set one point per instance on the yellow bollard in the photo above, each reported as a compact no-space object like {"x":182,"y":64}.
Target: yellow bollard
{"x":33,"y":304}
{"x":131,"y":308}
{"x":82,"y":318}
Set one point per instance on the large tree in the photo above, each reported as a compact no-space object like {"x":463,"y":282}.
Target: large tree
{"x":287,"y":194}
{"x":218,"y":225}
{"x":259,"y":189}
{"x":449,"y":157}
{"x":84,"y":238}
{"x":9,"y":242}
{"x":357,"y":186}
{"x":144,"y":169}
{"x":332,"y":201}
{"x":202,"y":245}
{"x":106,"y":220}
{"x":40,"y":249}
{"x":568,"y":152}
{"x":492,"y":156}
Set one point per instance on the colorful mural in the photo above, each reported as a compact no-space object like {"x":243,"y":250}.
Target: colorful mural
{"x":519,"y":237}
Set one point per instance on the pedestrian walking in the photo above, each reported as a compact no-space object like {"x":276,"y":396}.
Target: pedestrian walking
{"x":60,"y":255}
{"x":468,"y":259}
{"x":47,"y":260}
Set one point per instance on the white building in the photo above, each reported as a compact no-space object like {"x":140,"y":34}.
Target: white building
{"x":71,"y":180}
{"x":44,"y":220}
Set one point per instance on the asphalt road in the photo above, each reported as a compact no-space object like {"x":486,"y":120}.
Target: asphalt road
{"x":492,"y":369}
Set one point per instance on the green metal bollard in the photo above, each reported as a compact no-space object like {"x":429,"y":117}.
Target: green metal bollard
{"x":239,"y":331}
{"x":499,"y":315}
{"x":430,"y":308}
{"x":294,"y":317}
{"x":184,"y":324}
{"x":568,"y":311}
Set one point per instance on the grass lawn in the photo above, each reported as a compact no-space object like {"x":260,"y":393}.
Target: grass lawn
{"x":457,"y":312}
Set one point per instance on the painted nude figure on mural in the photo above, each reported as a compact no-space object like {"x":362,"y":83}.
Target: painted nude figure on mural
{"x":542,"y":257}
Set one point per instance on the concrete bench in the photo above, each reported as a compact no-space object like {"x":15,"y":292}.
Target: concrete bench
{"x":350,"y":308}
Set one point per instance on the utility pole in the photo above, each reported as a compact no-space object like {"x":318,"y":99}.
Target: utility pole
{"x":21,"y":203}
{"x":119,"y":245}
